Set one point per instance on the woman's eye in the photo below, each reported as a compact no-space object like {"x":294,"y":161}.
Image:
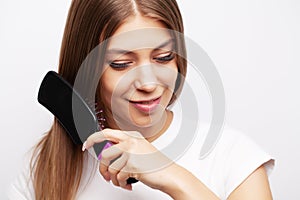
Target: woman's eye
{"x":119,"y":65}
{"x":167,"y":58}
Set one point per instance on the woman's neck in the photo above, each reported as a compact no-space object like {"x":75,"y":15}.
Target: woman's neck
{"x":160,"y":129}
{"x":154,"y":131}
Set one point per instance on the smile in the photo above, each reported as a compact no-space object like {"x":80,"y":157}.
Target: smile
{"x":146,"y":105}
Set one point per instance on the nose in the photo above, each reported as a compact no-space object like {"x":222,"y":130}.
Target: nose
{"x":146,"y":78}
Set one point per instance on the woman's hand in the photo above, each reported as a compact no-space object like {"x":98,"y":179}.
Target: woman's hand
{"x":132,"y":156}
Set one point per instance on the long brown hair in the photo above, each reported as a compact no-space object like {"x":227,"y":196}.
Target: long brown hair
{"x":57,"y":164}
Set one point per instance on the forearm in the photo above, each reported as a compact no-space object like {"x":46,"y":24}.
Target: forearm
{"x":183,"y":185}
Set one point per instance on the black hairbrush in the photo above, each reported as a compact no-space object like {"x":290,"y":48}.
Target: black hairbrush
{"x":60,"y":98}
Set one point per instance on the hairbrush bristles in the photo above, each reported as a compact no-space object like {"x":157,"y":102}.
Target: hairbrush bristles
{"x":100,"y":117}
{"x":98,"y":113}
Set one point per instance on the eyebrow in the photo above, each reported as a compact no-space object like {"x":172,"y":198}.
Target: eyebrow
{"x":170,"y":41}
{"x":124,"y":51}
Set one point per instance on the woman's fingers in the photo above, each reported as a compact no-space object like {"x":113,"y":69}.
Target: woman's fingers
{"x":116,"y":167}
{"x":127,"y":158}
{"x":113,"y":160}
{"x":122,"y":177}
{"x":93,"y":139}
{"x":112,"y":167}
{"x":107,"y":134}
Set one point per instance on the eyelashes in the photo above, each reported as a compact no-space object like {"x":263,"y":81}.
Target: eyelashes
{"x":116,"y":65}
{"x":166,"y":58}
{"x":119,"y":65}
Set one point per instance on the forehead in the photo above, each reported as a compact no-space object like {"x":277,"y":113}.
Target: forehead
{"x":138,"y":33}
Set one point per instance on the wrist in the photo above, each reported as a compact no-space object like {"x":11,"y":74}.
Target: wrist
{"x":183,"y":185}
{"x":174,"y":183}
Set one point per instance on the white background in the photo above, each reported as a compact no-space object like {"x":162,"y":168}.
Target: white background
{"x":255,"y":45}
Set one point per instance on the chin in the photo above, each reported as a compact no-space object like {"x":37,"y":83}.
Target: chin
{"x":147,"y":121}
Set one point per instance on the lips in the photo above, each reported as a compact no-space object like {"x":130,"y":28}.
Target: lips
{"x":146,"y":105}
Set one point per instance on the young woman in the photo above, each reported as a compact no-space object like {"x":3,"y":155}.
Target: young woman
{"x":141,"y":74}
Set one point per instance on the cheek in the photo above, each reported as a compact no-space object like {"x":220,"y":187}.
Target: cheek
{"x":168,"y":75}
{"x":108,"y":86}
{"x":112,"y":86}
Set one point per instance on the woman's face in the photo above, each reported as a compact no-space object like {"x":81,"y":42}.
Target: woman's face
{"x":139,"y":74}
